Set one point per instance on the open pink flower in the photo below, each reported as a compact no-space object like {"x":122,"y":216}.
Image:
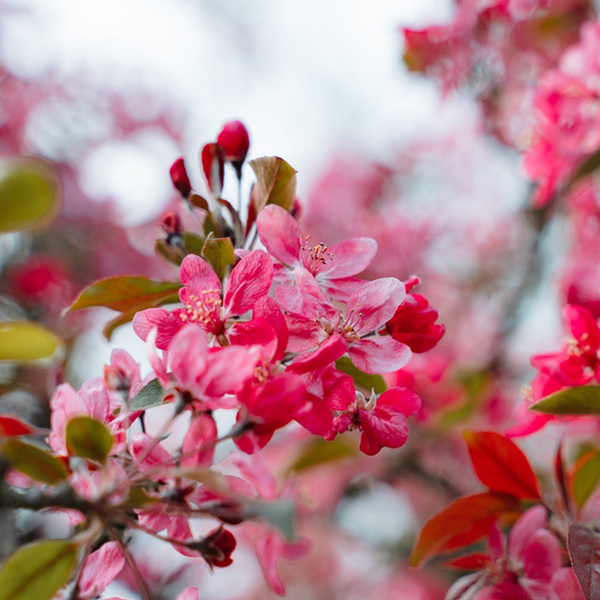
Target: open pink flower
{"x":382,"y":420}
{"x":524,"y":570}
{"x":333,"y":267}
{"x":208,"y":374}
{"x":314,"y":319}
{"x":250,"y":280}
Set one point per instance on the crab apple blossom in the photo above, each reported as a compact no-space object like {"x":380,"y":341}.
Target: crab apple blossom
{"x":315,"y":318}
{"x":333,"y":267}
{"x":250,"y":280}
{"x":522,"y":570}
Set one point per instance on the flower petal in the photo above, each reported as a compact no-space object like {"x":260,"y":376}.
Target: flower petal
{"x":350,"y":257}
{"x":280,"y":234}
{"x":250,"y":280}
{"x":379,"y":355}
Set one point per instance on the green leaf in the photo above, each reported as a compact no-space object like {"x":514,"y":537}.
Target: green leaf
{"x":26,"y":342}
{"x":127,"y":293}
{"x":364,"y":380}
{"x":219,"y":253}
{"x":585,"y":480}
{"x":193,"y":243}
{"x":318,"y":452}
{"x":29,"y":194}
{"x":37,"y":571}
{"x":280,"y":514}
{"x":33,"y":461}
{"x":172,"y":255}
{"x":88,"y":438}
{"x":275,"y":183}
{"x":137,"y":498}
{"x":152,"y":394}
{"x":582,"y":400}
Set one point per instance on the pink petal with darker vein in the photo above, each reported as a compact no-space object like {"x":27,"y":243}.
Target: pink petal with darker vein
{"x":350,"y":257}
{"x":374,"y":304}
{"x":166,"y":323}
{"x":100,"y":568}
{"x":199,"y":442}
{"x":385,"y":426}
{"x":198,"y":277}
{"x":379,"y":355}
{"x":280,"y":234}
{"x":249,"y":281}
{"x":402,"y":399}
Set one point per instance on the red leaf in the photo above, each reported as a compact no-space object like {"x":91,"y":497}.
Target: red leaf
{"x":11,"y":425}
{"x":501,"y":465}
{"x":471,"y":562}
{"x":461,"y":523}
{"x":561,"y":477}
{"x":584,"y":550}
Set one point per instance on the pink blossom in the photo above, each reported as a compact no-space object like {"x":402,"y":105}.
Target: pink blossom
{"x":99,"y":569}
{"x":315,"y":318}
{"x":382,"y":420}
{"x":524,"y":570}
{"x":333,"y":267}
{"x":250,"y":280}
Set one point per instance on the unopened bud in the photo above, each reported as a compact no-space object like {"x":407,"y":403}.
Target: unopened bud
{"x":235,"y":141}
{"x":171,"y":224}
{"x":216,"y":547}
{"x":180,"y":178}
{"x":213,"y":166}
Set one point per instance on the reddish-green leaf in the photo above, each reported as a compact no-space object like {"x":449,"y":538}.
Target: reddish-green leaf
{"x":33,"y":461}
{"x":219,"y":253}
{"x":586,"y":478}
{"x":461,"y":523}
{"x":582,"y":400}
{"x":37,"y":571}
{"x":561,"y":477}
{"x":88,"y":438}
{"x":319,"y":452}
{"x":11,"y":426}
{"x":501,"y":465}
{"x":364,"y":380}
{"x":127,"y":293}
{"x":470,"y":562}
{"x":275,"y":183}
{"x":583,"y":544}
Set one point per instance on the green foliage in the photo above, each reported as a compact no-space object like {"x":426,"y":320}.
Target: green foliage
{"x":583,"y":400}
{"x":29,"y":194}
{"x":275,"y":183}
{"x":37,"y":571}
{"x":33,"y":461}
{"x":27,"y":342}
{"x":152,"y":394}
{"x":319,"y":452}
{"x":88,"y":438}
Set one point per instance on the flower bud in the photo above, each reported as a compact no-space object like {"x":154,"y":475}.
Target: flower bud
{"x":171,"y":224}
{"x":213,"y":166}
{"x":235,"y":141}
{"x":216,"y":547}
{"x":180,"y":178}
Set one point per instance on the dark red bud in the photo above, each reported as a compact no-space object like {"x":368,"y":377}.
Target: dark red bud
{"x":180,"y":178}
{"x":235,"y":141}
{"x":171,"y":224}
{"x":414,"y":324}
{"x":216,"y":547}
{"x":213,"y":166}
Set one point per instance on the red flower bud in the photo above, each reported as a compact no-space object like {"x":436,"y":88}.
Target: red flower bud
{"x":213,"y":165}
{"x":414,"y":324}
{"x":171,"y":224}
{"x":216,"y":547}
{"x":180,"y":178}
{"x":235,"y":142}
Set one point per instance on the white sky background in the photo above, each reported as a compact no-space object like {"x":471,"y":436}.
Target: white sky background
{"x":310,"y":78}
{"x":307,"y":77}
